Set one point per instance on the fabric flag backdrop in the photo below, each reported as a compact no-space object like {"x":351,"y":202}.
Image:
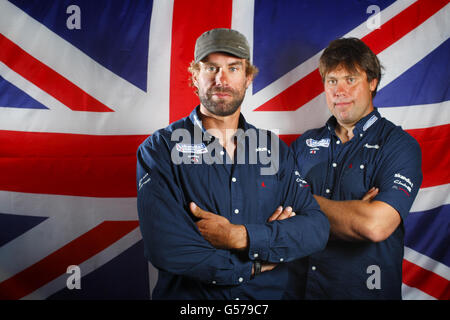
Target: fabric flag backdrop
{"x":83,"y":83}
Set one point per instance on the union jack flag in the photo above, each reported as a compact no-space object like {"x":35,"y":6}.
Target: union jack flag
{"x":83,"y":83}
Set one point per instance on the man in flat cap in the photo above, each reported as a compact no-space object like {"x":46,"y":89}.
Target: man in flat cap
{"x":221,"y":205}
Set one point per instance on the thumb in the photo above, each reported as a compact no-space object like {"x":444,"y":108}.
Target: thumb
{"x":196,"y":211}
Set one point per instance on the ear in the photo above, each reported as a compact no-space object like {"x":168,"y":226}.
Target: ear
{"x":195,"y":80}
{"x":373,"y":84}
{"x":248,"y":81}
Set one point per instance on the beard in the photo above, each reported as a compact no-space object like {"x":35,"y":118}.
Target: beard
{"x":221,"y":107}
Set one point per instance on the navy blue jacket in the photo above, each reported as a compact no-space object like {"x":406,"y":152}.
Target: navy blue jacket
{"x":379,"y":155}
{"x":183,"y":163}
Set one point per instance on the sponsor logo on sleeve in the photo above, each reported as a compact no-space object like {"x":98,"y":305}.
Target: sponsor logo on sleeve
{"x":403,"y":183}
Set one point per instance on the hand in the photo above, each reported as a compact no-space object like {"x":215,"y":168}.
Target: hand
{"x":218,"y":230}
{"x":281,"y":214}
{"x":371,"y":194}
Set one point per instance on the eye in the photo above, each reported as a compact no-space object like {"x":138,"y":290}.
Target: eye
{"x":351,"y":80}
{"x":233,"y":69}
{"x":331,"y":82}
{"x":211,"y":68}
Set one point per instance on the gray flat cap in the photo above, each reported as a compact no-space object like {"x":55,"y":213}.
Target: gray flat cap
{"x":222,"y":40}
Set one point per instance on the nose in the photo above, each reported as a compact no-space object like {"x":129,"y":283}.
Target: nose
{"x":340,"y":89}
{"x":221,"y":78}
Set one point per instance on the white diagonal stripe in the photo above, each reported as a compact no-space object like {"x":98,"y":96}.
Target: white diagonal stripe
{"x":127,"y":101}
{"x":411,"y":293}
{"x":427,"y":263}
{"x":72,"y":216}
{"x":54,"y":51}
{"x":312,"y":63}
{"x":415,"y":46}
{"x":432,"y":197}
{"x":314,"y":113}
{"x":418,"y":116}
{"x":32,"y":90}
{"x":87,"y":266}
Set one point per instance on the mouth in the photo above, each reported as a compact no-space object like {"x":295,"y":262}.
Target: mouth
{"x":221,"y":95}
{"x":342,"y":104}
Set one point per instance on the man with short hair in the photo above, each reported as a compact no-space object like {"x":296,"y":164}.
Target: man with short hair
{"x":355,"y":153}
{"x":209,"y":183}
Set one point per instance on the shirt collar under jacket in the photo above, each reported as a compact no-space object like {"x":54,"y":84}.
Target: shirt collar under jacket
{"x":361,"y":126}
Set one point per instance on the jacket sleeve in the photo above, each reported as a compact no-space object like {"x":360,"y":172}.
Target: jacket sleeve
{"x":295,"y":237}
{"x":171,"y":238}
